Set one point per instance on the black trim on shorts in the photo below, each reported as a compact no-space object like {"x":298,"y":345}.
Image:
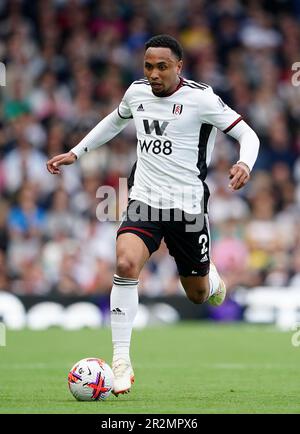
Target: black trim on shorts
{"x":146,"y":233}
{"x":150,"y":243}
{"x":189,"y":249}
{"x":185,"y":271}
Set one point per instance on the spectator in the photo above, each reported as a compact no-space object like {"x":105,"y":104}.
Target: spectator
{"x":69,"y":63}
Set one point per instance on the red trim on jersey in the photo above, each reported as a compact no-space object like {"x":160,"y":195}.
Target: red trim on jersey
{"x":178,"y":87}
{"x":233,"y":125}
{"x":136,"y":229}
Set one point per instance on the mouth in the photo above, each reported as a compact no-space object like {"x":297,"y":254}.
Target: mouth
{"x":157,"y":86}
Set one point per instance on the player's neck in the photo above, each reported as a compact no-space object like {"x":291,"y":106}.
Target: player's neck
{"x":177,"y":86}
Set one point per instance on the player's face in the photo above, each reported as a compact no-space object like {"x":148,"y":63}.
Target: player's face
{"x":162,"y":69}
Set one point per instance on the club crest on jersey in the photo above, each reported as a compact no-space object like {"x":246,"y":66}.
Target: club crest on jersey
{"x":177,"y":109}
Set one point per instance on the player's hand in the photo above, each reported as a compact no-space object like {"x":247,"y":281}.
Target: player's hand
{"x":59,"y":160}
{"x":239,"y":175}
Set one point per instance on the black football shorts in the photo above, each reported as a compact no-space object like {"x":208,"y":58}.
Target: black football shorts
{"x":186,"y":236}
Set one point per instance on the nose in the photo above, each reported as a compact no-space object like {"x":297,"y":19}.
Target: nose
{"x":154,"y":75}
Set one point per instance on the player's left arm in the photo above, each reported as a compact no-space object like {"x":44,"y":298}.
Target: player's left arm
{"x":215,"y":112}
{"x":239,"y":173}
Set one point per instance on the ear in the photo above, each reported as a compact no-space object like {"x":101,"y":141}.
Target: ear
{"x":179,"y":66}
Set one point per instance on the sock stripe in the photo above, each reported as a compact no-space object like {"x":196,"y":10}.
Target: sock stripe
{"x":122,"y":278}
{"x":124,"y":284}
{"x":124,"y":281}
{"x":127,"y":280}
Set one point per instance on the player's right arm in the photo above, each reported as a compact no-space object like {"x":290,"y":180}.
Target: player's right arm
{"x":104,"y":131}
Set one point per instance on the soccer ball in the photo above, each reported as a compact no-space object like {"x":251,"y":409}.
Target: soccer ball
{"x":91,"y":379}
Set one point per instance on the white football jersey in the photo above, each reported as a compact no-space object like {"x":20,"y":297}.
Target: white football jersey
{"x":175,"y":140}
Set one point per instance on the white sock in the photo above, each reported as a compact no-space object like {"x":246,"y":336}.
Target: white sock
{"x":214,"y":280}
{"x":123,"y":309}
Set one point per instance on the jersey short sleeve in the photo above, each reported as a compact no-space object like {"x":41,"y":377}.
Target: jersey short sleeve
{"x":215,"y":112}
{"x":124,"y":110}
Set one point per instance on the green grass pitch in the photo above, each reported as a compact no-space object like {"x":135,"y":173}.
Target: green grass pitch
{"x":190,"y":368}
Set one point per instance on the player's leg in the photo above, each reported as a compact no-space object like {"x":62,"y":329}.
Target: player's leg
{"x":132,"y":254}
{"x":200,"y":289}
{"x":196,"y":288}
{"x":191,"y":250}
{"x":136,"y":241}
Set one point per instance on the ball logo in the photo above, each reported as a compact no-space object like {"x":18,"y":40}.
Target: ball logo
{"x":91,"y":379}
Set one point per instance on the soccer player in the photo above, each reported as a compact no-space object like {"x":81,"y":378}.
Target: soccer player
{"x":176,"y":121}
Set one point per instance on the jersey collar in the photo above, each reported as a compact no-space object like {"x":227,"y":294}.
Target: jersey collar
{"x":175,"y":90}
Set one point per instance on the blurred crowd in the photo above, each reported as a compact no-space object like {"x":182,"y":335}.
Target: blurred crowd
{"x":68,"y":64}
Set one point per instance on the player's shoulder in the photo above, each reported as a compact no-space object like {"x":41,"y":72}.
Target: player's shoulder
{"x":138,"y":87}
{"x":198,"y":91}
{"x":141,"y":81}
{"x":196,"y":86}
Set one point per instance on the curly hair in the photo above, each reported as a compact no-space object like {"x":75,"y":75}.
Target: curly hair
{"x":166,"y":41}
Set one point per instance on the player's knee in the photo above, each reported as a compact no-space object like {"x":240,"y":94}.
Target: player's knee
{"x":197,"y":297}
{"x":126,"y":267}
